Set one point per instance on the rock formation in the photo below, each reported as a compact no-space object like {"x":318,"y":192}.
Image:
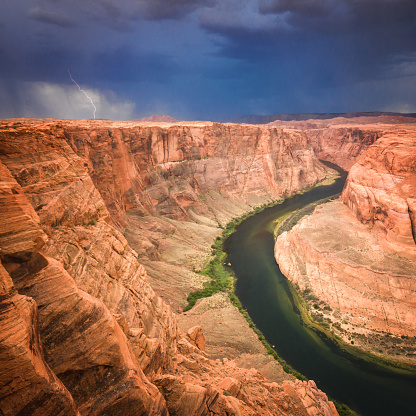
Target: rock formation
{"x":381,"y":190}
{"x":165,"y":170}
{"x":72,"y":331}
{"x":82,"y":330}
{"x":158,"y":119}
{"x":358,"y":258}
{"x":190,"y":177}
{"x":343,"y":144}
{"x":376,"y":116}
{"x":27,"y":383}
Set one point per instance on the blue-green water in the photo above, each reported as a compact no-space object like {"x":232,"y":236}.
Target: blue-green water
{"x":369,"y":389}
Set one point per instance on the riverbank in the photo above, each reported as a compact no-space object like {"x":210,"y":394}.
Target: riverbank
{"x":266,"y":295}
{"x":342,"y":324}
{"x":218,"y":270}
{"x":223,"y":284}
{"x":217,"y":277}
{"x":224,"y":324}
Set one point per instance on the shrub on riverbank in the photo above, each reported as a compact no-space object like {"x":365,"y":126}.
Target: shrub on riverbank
{"x":222,"y":279}
{"x":344,"y":410}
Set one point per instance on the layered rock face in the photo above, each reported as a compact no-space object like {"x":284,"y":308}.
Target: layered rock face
{"x":97,"y":256}
{"x":27,"y":384}
{"x":82,"y":331}
{"x":381,"y":190}
{"x":342,"y":262}
{"x":56,"y":329}
{"x":343,"y":144}
{"x":166,"y":170}
{"x":359,"y":258}
{"x":183,"y":180}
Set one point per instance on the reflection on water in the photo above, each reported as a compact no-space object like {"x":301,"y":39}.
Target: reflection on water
{"x":264,"y":292}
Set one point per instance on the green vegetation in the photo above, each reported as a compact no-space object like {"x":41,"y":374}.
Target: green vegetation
{"x":315,"y":322}
{"x":289,"y":220}
{"x":322,"y":329}
{"x":286,"y":367}
{"x":222,"y":279}
{"x":343,"y":409}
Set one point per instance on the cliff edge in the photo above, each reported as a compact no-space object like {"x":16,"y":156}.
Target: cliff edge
{"x":82,"y":330}
{"x":355,"y":259}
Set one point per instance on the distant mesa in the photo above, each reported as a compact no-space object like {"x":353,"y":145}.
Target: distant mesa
{"x":158,"y":119}
{"x":264,"y":119}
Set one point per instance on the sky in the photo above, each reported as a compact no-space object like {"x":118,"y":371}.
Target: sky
{"x":205,"y":59}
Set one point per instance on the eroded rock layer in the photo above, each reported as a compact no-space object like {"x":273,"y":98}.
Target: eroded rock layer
{"x":82,"y":330}
{"x":27,"y":383}
{"x":356,"y":260}
{"x":169,"y":170}
{"x":56,"y":329}
{"x":96,"y":256}
{"x":381,"y":190}
{"x":343,"y":144}
{"x":343,"y":264}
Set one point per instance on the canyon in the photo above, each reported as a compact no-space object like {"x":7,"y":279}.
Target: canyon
{"x":354,"y":259}
{"x":104,"y":225}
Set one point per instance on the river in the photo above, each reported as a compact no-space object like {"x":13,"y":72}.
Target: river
{"x":263,"y":290}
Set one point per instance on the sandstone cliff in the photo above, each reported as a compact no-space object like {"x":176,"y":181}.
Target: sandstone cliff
{"x":182,"y":180}
{"x":97,"y":256}
{"x":358,"y":259}
{"x":81,"y":341}
{"x":381,"y":190}
{"x":27,"y":384}
{"x":170,"y":170}
{"x":343,"y":144}
{"x":82,"y":330}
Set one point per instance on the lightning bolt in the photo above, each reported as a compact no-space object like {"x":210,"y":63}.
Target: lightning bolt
{"x":81,"y":90}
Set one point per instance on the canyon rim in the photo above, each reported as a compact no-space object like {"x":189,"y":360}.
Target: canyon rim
{"x":104,"y":224}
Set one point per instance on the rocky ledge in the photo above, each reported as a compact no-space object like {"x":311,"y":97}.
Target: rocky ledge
{"x":381,"y":190}
{"x":355,"y":260}
{"x":82,"y":330}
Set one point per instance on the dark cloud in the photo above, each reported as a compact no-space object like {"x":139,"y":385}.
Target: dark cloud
{"x":341,"y":13}
{"x":125,"y":66}
{"x":212,"y":58}
{"x":382,"y":11}
{"x":310,"y":8}
{"x":176,"y":9}
{"x":39,"y":65}
{"x":362,"y":36}
{"x":50,"y":17}
{"x":127,"y":10}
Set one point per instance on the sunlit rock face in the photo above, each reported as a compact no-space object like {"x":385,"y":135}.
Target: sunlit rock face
{"x":27,"y":383}
{"x":381,"y":190}
{"x":184,"y":180}
{"x":358,"y":255}
{"x":343,"y":144}
{"x":97,"y":257}
{"x":62,"y":349}
{"x":82,"y":330}
{"x":169,"y":169}
{"x":343,"y":263}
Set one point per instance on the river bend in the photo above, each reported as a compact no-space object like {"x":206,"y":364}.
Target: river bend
{"x":263,"y":290}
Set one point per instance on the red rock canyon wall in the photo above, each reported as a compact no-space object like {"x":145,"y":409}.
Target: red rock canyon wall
{"x":359,"y":258}
{"x":381,"y":190}
{"x":82,"y":331}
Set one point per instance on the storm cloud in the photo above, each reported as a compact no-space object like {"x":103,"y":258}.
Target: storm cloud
{"x":207,"y":59}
